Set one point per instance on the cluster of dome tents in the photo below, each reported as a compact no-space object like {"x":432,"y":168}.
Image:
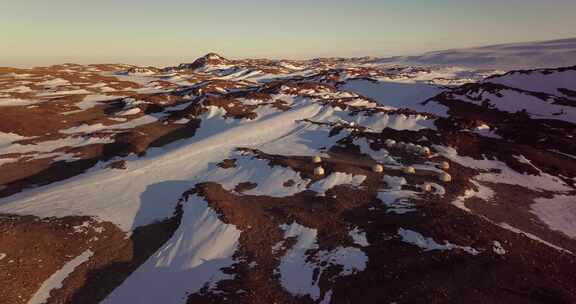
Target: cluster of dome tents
{"x":408,"y":170}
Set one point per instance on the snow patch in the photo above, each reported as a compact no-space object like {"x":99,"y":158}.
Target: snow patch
{"x":558,"y":212}
{"x":297,"y":275}
{"x":359,"y":237}
{"x":54,"y":82}
{"x":531,"y":236}
{"x":10,"y":102}
{"x":428,"y":244}
{"x":505,"y":175}
{"x":394,"y":198}
{"x":56,"y":279}
{"x":300,"y":276}
{"x":335,"y":179}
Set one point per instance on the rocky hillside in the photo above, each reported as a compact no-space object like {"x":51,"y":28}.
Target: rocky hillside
{"x":281,"y":181}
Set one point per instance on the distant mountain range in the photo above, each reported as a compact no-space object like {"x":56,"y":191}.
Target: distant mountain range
{"x":553,"y":53}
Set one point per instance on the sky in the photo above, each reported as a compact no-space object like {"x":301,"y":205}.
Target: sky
{"x":41,"y":32}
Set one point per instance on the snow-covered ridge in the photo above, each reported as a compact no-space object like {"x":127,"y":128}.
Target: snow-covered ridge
{"x":544,"y":54}
{"x":187,"y":262}
{"x":550,"y":81}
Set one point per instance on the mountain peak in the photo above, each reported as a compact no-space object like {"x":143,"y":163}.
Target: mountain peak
{"x":214,"y":56}
{"x":206,"y":60}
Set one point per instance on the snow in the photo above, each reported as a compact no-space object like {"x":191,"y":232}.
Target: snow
{"x":394,"y":182}
{"x":90,"y":101}
{"x":351,"y":259}
{"x":511,"y":101}
{"x":486,"y":131}
{"x":163,"y":174}
{"x":18,"y":89}
{"x":327,"y":297}
{"x":543,"y":181}
{"x":181,"y":121}
{"x":270,"y":180}
{"x":288,"y":65}
{"x":461,"y":200}
{"x":97,"y":85}
{"x":394,"y":198}
{"x":86,"y":226}
{"x":132,"y":102}
{"x":537,"y":81}
{"x":296,"y":274}
{"x":429,"y":166}
{"x":192,"y":258}
{"x":85,"y":128}
{"x":132,"y":111}
{"x":335,"y":179}
{"x":10,"y":102}
{"x":143,"y":72}
{"x":54,"y":82}
{"x":428,"y":244}
{"x":558,"y":212}
{"x":524,"y":160}
{"x":17,"y":75}
{"x":65,"y":92}
{"x":359,"y":237}
{"x":438,"y":189}
{"x":379,"y":121}
{"x":56,"y":279}
{"x":531,"y":236}
{"x":51,"y":145}
{"x":504,"y":56}
{"x":398,"y":94}
{"x":397,"y":201}
{"x":482,"y":192}
{"x":67,"y":157}
{"x":382,"y":156}
{"x":307,"y":139}
{"x":136,"y":78}
{"x":6,"y":139}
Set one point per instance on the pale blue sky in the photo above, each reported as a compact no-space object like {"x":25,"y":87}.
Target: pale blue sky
{"x":172,"y":31}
